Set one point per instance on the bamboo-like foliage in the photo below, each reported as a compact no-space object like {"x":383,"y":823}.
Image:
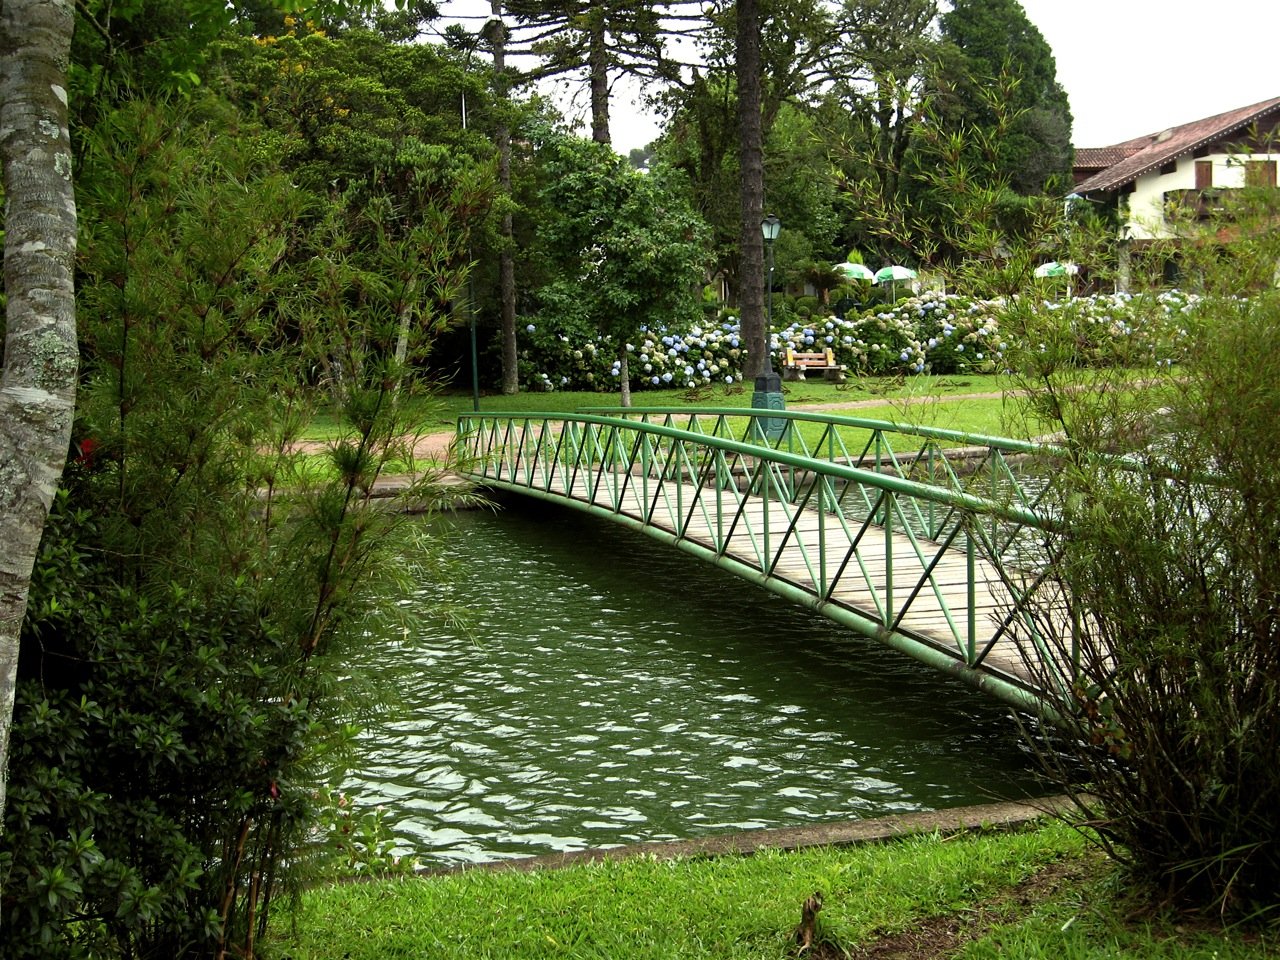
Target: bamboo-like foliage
{"x":180,"y":697}
{"x":1169,"y":572}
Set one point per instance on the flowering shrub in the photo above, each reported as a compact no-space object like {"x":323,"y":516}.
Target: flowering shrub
{"x":931,"y":333}
{"x":707,"y":354}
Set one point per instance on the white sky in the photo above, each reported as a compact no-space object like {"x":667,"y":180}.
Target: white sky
{"x":1130,"y":67}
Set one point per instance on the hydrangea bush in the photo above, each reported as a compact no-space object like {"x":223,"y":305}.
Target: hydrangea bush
{"x":931,"y":333}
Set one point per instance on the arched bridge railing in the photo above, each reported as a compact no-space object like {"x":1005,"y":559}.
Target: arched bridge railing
{"x":927,"y":540}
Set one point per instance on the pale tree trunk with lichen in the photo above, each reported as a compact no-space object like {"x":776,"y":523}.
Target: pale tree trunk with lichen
{"x":37,"y":392}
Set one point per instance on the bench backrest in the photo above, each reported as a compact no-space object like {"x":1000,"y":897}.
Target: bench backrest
{"x":817,"y":358}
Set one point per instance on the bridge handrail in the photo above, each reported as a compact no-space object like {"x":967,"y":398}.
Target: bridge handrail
{"x":899,"y":485}
{"x":1004,"y":444}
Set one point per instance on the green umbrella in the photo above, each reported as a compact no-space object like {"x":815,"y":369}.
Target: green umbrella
{"x":855,"y":271}
{"x":891,"y":275}
{"x":1055,"y":269}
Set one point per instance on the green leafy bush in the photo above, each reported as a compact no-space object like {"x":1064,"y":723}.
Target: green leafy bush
{"x":158,"y":749}
{"x":931,"y":333}
{"x":182,"y":686}
{"x":1168,"y":568}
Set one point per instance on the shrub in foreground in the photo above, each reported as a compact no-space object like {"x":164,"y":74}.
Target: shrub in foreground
{"x":1171,"y":574}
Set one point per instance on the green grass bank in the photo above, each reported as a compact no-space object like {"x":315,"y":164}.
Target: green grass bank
{"x":1027,"y":894}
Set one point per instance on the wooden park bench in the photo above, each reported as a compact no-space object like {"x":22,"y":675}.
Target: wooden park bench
{"x":823,"y":361}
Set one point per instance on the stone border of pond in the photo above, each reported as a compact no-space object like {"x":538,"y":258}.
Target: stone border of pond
{"x":1004,"y":816}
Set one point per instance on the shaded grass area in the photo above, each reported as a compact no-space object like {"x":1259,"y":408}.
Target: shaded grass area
{"x":1038,"y":893}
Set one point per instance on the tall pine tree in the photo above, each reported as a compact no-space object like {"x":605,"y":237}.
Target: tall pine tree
{"x":990,"y":40}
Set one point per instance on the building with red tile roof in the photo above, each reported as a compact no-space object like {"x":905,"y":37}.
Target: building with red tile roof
{"x":1183,"y":164}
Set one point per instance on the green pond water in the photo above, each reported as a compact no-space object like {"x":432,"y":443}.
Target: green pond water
{"x":615,"y":690}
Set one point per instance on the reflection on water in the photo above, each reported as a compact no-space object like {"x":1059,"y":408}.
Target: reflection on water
{"x":616,"y":690}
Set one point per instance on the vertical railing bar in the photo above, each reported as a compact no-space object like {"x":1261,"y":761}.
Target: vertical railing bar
{"x":888,"y":555}
{"x":971,"y":566}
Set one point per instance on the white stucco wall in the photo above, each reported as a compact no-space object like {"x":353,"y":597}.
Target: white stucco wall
{"x":1146,"y":203}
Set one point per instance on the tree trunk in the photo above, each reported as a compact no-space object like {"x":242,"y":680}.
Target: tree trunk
{"x":37,"y":392}
{"x":624,"y":375}
{"x":497,"y":35}
{"x":751,"y":141}
{"x":598,"y":66}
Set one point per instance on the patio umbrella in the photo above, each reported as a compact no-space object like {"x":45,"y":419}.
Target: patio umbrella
{"x":855,"y":271}
{"x":1055,"y":269}
{"x":891,"y":275}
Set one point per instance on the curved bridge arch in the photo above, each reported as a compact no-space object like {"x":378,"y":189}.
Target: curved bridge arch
{"x":926,"y":540}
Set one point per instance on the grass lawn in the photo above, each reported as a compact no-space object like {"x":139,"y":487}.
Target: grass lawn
{"x":972,"y":405}
{"x":440,"y":412}
{"x":1038,"y":893}
{"x":861,"y":389}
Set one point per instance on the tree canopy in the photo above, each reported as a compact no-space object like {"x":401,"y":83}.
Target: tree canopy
{"x":994,"y":38}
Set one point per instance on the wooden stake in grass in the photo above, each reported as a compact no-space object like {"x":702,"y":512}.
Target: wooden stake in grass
{"x":807,"y":933}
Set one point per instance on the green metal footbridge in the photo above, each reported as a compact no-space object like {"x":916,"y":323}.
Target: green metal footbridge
{"x":927,"y":540}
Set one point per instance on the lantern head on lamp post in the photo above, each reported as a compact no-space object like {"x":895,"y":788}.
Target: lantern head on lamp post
{"x":768,"y":391}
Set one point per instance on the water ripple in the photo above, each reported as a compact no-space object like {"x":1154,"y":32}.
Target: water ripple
{"x":648,"y":697}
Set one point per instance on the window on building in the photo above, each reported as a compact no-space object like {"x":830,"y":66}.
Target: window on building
{"x":1170,"y":167}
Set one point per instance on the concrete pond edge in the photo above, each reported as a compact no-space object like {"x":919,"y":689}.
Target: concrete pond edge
{"x":1001,"y":816}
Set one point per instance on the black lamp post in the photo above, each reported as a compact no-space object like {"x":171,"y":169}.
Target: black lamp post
{"x":768,"y":391}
